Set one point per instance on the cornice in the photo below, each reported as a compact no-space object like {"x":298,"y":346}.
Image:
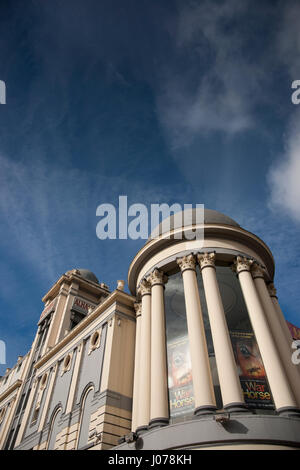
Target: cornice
{"x":11,"y":389}
{"x":228,"y":232}
{"x":90,"y":286}
{"x":114,"y":297}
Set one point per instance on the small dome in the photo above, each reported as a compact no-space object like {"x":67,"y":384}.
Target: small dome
{"x":215,"y":217}
{"x":88,"y":275}
{"x":210,"y":217}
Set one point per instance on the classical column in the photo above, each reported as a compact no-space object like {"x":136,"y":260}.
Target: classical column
{"x":283,"y":396}
{"x":145,"y":357}
{"x":159,"y":409}
{"x":285,"y":329}
{"x":136,"y":381}
{"x":202,"y":380}
{"x":232,"y":395}
{"x":283,"y":347}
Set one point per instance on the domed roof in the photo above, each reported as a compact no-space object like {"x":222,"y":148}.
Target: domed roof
{"x":88,"y":275}
{"x":177,"y":220}
{"x":215,"y":217}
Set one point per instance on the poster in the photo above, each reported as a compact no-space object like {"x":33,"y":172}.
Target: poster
{"x":294,"y":330}
{"x":251,"y":370}
{"x":180,"y":382}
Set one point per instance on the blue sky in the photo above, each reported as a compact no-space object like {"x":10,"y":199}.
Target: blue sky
{"x":162,"y":101}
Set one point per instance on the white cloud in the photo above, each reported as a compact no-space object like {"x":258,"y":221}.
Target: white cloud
{"x":219,"y":87}
{"x":284,"y":176}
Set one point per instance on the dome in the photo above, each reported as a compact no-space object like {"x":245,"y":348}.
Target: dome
{"x":210,"y":217}
{"x":88,"y":275}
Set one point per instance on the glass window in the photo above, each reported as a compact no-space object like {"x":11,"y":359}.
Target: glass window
{"x":249,"y":363}
{"x":180,"y":381}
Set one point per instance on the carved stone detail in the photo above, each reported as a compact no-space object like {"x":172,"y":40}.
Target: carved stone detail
{"x":157,"y":277}
{"x":144,"y":288}
{"x":206,"y":259}
{"x":120,"y":285}
{"x":257,"y":271}
{"x":242,"y":264}
{"x":138,"y":308}
{"x":187,"y":262}
{"x":272,"y":290}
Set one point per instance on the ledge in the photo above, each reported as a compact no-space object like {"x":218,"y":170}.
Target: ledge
{"x":11,"y":389}
{"x":112,"y":298}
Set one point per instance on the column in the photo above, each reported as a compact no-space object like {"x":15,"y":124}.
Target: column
{"x":231,"y":390}
{"x":275,"y":326}
{"x":282,"y":394}
{"x":285,"y":329}
{"x":145,"y":358}
{"x":136,"y":381}
{"x":159,"y":409}
{"x":205,"y":402}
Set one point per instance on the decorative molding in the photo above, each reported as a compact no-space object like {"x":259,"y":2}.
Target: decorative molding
{"x":120,"y":285}
{"x":138,"y":308}
{"x":272,"y":290}
{"x":11,"y":389}
{"x":114,"y":297}
{"x":187,"y":263}
{"x":206,"y":260}
{"x":144,"y":288}
{"x":241,"y":264}
{"x":157,"y":277}
{"x":95,"y":340}
{"x":257,"y":271}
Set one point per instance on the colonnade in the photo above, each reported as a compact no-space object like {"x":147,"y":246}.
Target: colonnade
{"x":150,"y":394}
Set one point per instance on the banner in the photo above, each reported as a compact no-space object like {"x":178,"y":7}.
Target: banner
{"x":251,"y":370}
{"x":180,"y":380}
{"x":294,"y":330}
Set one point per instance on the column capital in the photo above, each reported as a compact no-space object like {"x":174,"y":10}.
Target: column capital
{"x":157,"y":277}
{"x":241,"y":263}
{"x":257,"y":271}
{"x":187,"y":262}
{"x":144,"y":288}
{"x":137,"y":308}
{"x":272,"y":290}
{"x":206,"y":260}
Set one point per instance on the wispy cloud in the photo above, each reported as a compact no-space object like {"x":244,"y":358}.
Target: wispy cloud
{"x":283,"y":175}
{"x":217,"y":86}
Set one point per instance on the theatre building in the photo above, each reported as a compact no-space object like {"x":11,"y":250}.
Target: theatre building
{"x":197,"y":356}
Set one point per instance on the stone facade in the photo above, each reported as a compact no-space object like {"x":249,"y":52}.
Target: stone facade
{"x":98,"y":374}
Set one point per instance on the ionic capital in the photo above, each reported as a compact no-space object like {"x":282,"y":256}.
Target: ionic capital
{"x":187,"y":262}
{"x":206,"y":260}
{"x":257,"y":271}
{"x":157,"y":277}
{"x":272,"y":290}
{"x":144,"y":288}
{"x":242,"y":264}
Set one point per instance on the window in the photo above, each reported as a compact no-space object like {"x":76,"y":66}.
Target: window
{"x":85,"y":417}
{"x":180,"y":380}
{"x":54,"y":427}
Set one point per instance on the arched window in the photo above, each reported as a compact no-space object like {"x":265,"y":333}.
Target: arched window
{"x":85,"y":416}
{"x":54,"y":429}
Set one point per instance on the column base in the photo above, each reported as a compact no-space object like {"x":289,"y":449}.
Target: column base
{"x":158,"y":422}
{"x":238,"y":407}
{"x":141,"y":429}
{"x":205,"y":410}
{"x":289,"y":412}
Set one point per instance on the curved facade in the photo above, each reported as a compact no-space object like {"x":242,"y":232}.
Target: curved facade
{"x":197,"y":356}
{"x":211,"y":339}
